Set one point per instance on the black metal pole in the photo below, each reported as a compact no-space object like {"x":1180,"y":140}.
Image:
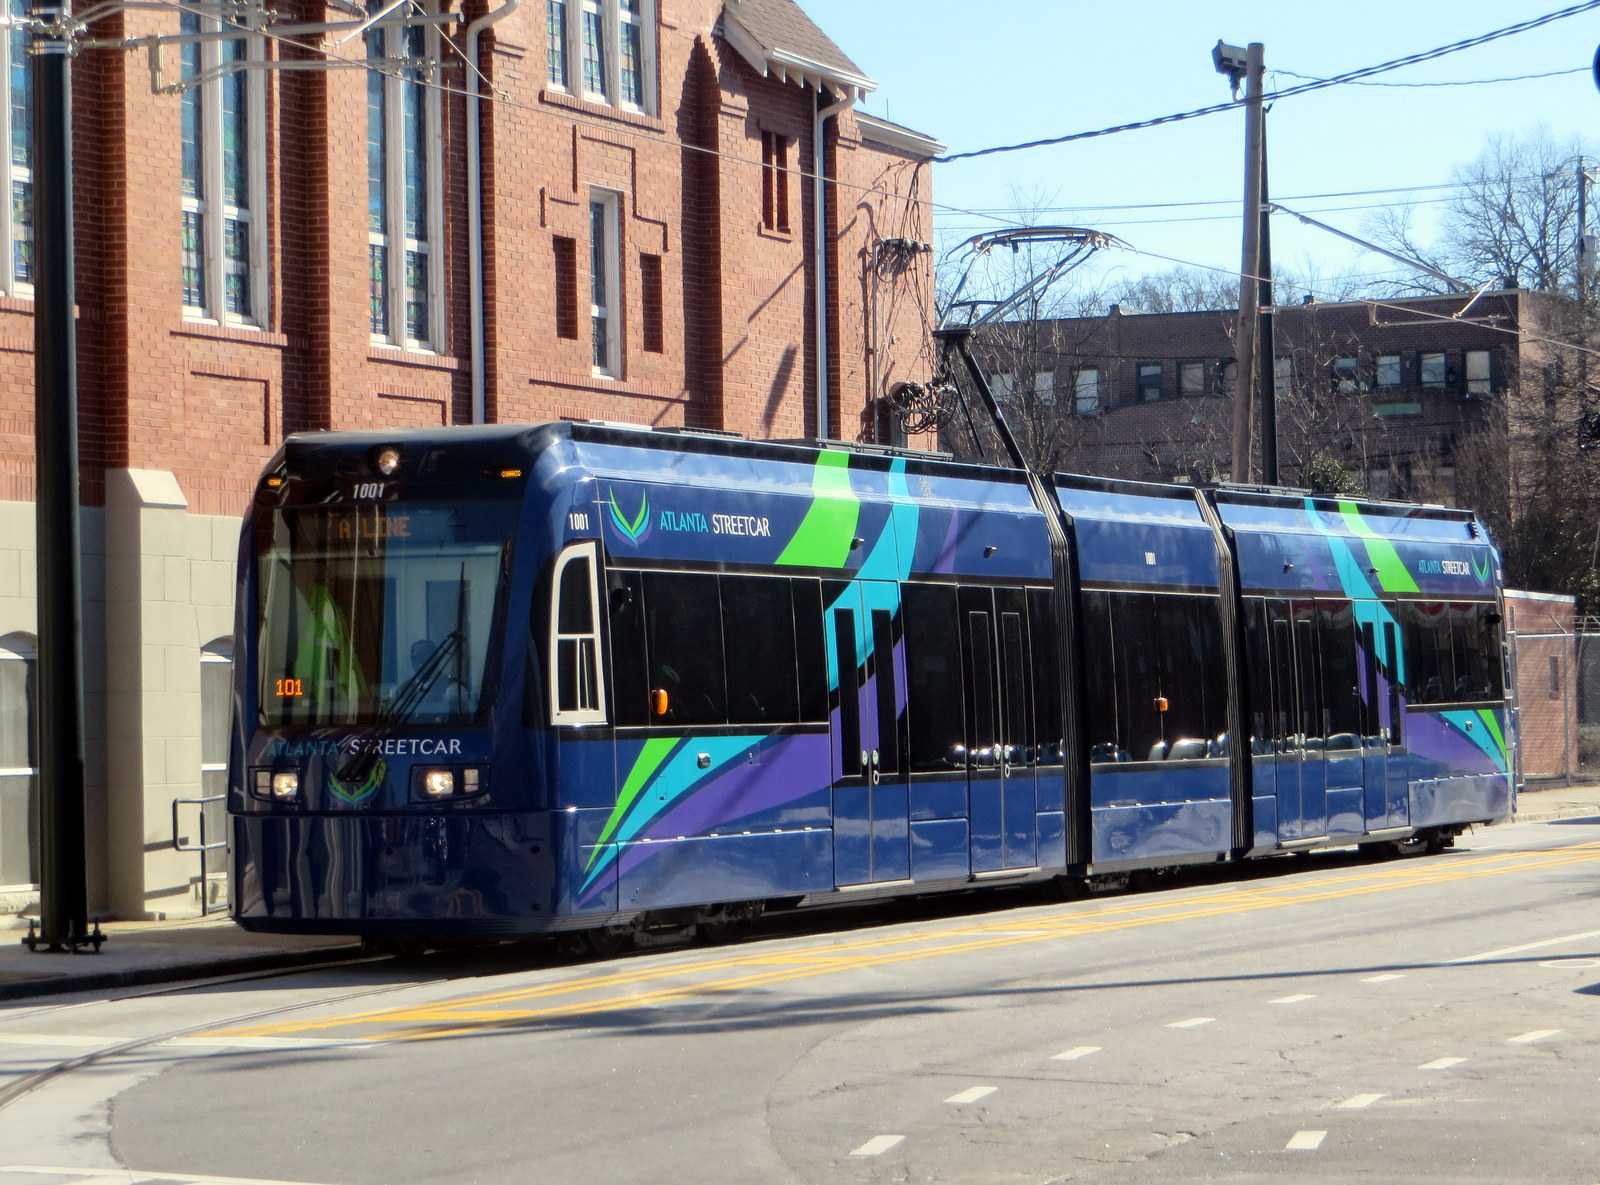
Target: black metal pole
{"x":63,"y":888}
{"x":1266,"y":368}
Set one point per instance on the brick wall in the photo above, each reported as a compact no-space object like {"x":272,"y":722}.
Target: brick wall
{"x":737,"y":342}
{"x":1546,"y":678}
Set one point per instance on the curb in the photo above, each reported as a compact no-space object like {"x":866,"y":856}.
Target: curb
{"x":50,"y":985}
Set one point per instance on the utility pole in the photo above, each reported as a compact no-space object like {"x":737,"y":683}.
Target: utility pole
{"x":63,"y":887}
{"x":1250,"y":69}
{"x":1266,"y":347}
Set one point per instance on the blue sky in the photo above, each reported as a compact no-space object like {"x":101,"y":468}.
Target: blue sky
{"x":1017,"y":70}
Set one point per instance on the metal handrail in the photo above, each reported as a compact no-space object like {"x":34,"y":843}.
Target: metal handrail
{"x":178,"y":844}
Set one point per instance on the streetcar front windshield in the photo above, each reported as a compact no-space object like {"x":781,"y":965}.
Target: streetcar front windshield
{"x":379,"y":612}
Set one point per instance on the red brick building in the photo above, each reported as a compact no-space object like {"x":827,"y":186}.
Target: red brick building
{"x":1386,"y":390}
{"x":664,"y":212}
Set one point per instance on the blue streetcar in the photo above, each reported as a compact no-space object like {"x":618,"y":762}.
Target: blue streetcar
{"x":509,"y":680}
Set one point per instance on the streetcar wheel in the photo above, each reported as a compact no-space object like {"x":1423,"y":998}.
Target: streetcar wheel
{"x":606,"y":941}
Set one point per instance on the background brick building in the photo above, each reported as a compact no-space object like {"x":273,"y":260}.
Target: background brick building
{"x":1388,"y":391}
{"x":627,"y":226}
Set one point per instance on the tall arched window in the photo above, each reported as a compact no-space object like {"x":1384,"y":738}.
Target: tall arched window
{"x":18,"y":773}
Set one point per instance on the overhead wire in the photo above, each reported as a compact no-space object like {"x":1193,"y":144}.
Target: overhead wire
{"x":1304,"y":88}
{"x":500,"y":97}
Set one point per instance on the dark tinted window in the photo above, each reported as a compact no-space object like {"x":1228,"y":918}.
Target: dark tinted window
{"x":683,"y":638}
{"x":1099,"y":680}
{"x":758,"y":627}
{"x":933,"y":676}
{"x":1048,"y":727}
{"x":812,"y":660}
{"x":1341,"y":704}
{"x":1452,"y":652}
{"x":630,"y":683}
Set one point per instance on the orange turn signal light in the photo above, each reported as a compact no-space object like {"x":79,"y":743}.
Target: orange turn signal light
{"x":658,"y":702}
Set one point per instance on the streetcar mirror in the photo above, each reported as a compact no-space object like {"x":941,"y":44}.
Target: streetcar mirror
{"x":658,"y":702}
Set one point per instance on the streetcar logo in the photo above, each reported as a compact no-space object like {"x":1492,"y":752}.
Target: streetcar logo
{"x":635,"y":530}
{"x":351,"y":792}
{"x":1484,"y":572}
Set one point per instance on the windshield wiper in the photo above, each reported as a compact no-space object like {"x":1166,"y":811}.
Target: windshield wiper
{"x":407,"y":697}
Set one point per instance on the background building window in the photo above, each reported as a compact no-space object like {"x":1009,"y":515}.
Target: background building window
{"x":1388,"y":370}
{"x":605,"y":281}
{"x":556,"y":61}
{"x":1191,"y":378}
{"x":1086,"y":391}
{"x":1346,"y":376}
{"x":18,"y":775}
{"x":224,"y":177}
{"x":16,"y":160}
{"x":1149,"y":381}
{"x":1478,"y":372}
{"x":1283,"y":376}
{"x":1044,"y":388}
{"x":405,"y":196}
{"x":613,"y":43}
{"x":1431,"y":370}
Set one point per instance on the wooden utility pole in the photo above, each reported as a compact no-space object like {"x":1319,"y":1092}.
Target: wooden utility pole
{"x":1244,"y":387}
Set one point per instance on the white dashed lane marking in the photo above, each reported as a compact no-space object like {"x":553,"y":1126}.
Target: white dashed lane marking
{"x":972,"y":1094}
{"x":1293,"y":999}
{"x":1384,"y":978}
{"x":1442,"y":1063}
{"x":1536,"y":1035}
{"x":1517,"y":950}
{"x":1194,"y":1022}
{"x":1075,"y":1053}
{"x":1306,"y":1141}
{"x":877,"y":1146}
{"x":1356,"y":1102}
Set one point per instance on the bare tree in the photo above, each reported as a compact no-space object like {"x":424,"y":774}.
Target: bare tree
{"x":1512,"y":223}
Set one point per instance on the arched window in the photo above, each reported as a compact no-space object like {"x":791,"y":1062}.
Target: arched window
{"x":18,"y":773}
{"x":216,"y":700}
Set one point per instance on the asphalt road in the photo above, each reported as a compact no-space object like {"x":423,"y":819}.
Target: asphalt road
{"x":1434,"y":1019}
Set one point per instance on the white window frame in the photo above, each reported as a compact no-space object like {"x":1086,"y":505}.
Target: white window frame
{"x":1086,"y":391}
{"x":398,"y":330}
{"x":213,"y":247}
{"x":612,"y":19}
{"x":22,"y":648}
{"x":595,"y":712}
{"x":13,"y":51}
{"x":1479,"y":367}
{"x":609,"y":268}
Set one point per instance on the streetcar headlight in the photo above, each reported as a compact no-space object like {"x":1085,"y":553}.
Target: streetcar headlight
{"x":388,"y":461}
{"x":286,"y":785}
{"x":438,"y":783}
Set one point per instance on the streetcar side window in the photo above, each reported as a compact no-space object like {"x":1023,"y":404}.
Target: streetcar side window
{"x":683,"y":638}
{"x":630,"y":673}
{"x":758,"y":631}
{"x":933,"y":678}
{"x":577,"y":693}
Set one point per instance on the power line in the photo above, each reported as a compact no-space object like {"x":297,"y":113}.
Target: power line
{"x":1466,"y":82}
{"x":1303,"y":88}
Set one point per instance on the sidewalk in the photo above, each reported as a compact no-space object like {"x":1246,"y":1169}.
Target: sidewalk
{"x":137,"y":953}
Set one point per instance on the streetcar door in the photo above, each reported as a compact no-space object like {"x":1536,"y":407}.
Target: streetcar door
{"x":1002,"y":806}
{"x":871,"y":808}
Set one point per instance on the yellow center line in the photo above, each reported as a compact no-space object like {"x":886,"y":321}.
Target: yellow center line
{"x":488,"y":1010}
